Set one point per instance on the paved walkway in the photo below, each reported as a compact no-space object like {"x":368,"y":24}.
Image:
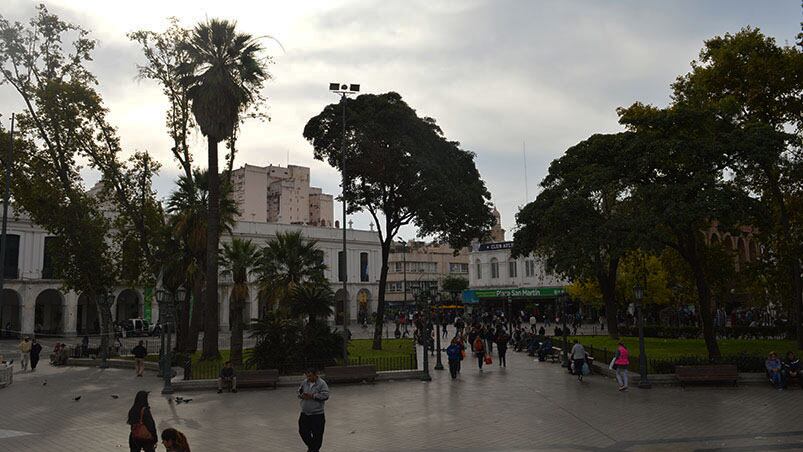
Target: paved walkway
{"x":528,"y":406}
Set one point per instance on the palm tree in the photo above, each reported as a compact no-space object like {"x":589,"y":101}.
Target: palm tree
{"x":237,"y":259}
{"x":314,"y":300}
{"x":223,"y":77}
{"x":188,"y":208}
{"x":285,"y":262}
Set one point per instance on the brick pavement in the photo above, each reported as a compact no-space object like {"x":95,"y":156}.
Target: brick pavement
{"x":528,"y":406}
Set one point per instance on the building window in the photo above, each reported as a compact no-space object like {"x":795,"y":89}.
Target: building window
{"x":494,"y":268}
{"x":511,"y":268}
{"x":398,"y":267}
{"x":479,"y":269}
{"x":341,"y":267}
{"x":529,"y":268}
{"x":11,"y":264}
{"x":457,"y":267}
{"x":396,"y":286}
{"x":422,"y":267}
{"x":47,"y":261}
{"x":363,"y":267}
{"x":422,"y":286}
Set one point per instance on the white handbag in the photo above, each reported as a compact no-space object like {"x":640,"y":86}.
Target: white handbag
{"x":613,"y":361}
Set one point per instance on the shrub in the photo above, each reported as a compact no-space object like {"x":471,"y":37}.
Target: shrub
{"x":290,"y":346}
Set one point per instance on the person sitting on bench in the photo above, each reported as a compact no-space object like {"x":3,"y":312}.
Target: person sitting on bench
{"x":545,"y":350}
{"x":227,"y":376}
{"x":774,"y":370}
{"x":791,"y":368}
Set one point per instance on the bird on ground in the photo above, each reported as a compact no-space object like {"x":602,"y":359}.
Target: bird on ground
{"x":77,"y":398}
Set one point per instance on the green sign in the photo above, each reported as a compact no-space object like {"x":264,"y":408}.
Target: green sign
{"x":476,"y":295}
{"x":148,"y":295}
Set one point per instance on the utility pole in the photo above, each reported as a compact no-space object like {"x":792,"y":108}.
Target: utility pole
{"x":6,"y":196}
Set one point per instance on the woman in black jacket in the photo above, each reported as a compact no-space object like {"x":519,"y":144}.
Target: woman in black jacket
{"x":140,"y":412}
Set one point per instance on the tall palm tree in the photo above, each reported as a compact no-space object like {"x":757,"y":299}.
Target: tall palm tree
{"x":285,"y":262}
{"x":188,"y":207}
{"x":223,"y":77}
{"x":314,"y":300}
{"x":237,"y":259}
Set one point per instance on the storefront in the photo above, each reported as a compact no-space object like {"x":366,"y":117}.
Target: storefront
{"x":541,"y":300}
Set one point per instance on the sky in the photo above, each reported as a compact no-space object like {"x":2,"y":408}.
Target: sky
{"x":516,"y":82}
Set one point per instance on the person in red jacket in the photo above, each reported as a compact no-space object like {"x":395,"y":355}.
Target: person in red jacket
{"x":620,"y":363}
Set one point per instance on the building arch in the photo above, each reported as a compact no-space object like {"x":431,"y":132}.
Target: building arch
{"x":10,"y":313}
{"x":128,"y":305}
{"x":478,"y":268}
{"x":341,"y":298}
{"x":49,"y":312}
{"x":87,"y":316}
{"x":494,"y":268}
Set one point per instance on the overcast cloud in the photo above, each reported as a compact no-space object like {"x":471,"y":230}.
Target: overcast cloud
{"x":495,"y":74}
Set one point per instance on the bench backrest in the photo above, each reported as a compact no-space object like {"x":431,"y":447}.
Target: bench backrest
{"x":338,"y":371}
{"x":258,"y":374}
{"x":707,"y":370}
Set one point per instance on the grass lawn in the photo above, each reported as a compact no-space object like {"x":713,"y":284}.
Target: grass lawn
{"x":659,"y":348}
{"x":390,"y":348}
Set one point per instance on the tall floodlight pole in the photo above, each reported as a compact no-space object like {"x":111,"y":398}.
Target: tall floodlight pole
{"x":644,"y":381}
{"x":6,"y":196}
{"x":344,"y":90}
{"x":404,"y":270}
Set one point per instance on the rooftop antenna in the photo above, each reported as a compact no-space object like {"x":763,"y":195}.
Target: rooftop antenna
{"x":524,"y":156}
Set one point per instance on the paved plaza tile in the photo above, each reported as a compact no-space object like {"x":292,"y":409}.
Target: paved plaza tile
{"x":528,"y":406}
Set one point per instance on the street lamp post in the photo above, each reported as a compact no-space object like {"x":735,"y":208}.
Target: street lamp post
{"x":166,"y":320}
{"x":424,"y":335}
{"x":404,"y":270}
{"x":344,"y":90}
{"x":438,"y":362}
{"x":644,"y":382}
{"x":563,"y":296}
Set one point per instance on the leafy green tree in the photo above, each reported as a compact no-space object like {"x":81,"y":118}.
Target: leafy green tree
{"x":313,"y":300}
{"x":758,"y":85}
{"x":285,"y":344}
{"x":165,"y":52}
{"x":237,"y":259}
{"x":583,"y":222}
{"x":65,"y":122}
{"x":677,"y":181}
{"x":454,"y":286}
{"x":286,"y":262}
{"x":222,"y":76}
{"x":402,"y":170}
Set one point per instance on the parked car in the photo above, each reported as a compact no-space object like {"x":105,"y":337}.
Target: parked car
{"x":138,"y":327}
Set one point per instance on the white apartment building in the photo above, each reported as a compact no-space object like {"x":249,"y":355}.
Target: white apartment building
{"x":276,"y":194}
{"x":33,"y":301}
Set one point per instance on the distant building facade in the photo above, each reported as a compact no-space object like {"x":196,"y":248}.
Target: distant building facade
{"x":427,"y":264}
{"x":277,"y":194}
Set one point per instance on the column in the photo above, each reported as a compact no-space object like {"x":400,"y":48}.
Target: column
{"x":69,"y":309}
{"x":28,"y":306}
{"x":253,"y":294}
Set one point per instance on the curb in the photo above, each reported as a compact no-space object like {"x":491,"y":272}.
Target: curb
{"x":293,"y":380}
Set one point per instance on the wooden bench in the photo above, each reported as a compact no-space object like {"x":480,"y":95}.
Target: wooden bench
{"x":554,"y":355}
{"x":349,"y":374}
{"x":709,"y":373}
{"x":256,"y":378}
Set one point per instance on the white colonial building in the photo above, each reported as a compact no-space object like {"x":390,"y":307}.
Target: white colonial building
{"x":33,"y":302}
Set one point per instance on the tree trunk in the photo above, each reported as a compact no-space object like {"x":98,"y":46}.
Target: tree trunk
{"x":211,"y":321}
{"x":236,"y":321}
{"x":797,"y":298}
{"x":196,"y":322}
{"x":106,"y":329}
{"x":607,"y":284}
{"x":706,"y":318}
{"x":380,"y":303}
{"x":183,"y":325}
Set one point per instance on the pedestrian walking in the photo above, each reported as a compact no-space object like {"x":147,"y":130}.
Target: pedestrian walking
{"x":174,"y":441}
{"x":578,"y":358}
{"x":36,"y":349}
{"x":533,"y":322}
{"x":454,"y":353}
{"x":313,"y":392}
{"x":620,"y":362}
{"x":139,"y":352}
{"x":501,"y":345}
{"x":479,"y":350}
{"x":25,"y":353}
{"x":143,"y":428}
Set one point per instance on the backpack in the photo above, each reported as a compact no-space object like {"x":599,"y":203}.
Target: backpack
{"x":139,"y":431}
{"x":479,"y":346}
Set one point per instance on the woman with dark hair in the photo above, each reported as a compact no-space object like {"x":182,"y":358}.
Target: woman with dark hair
{"x":174,"y":441}
{"x":143,"y":436}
